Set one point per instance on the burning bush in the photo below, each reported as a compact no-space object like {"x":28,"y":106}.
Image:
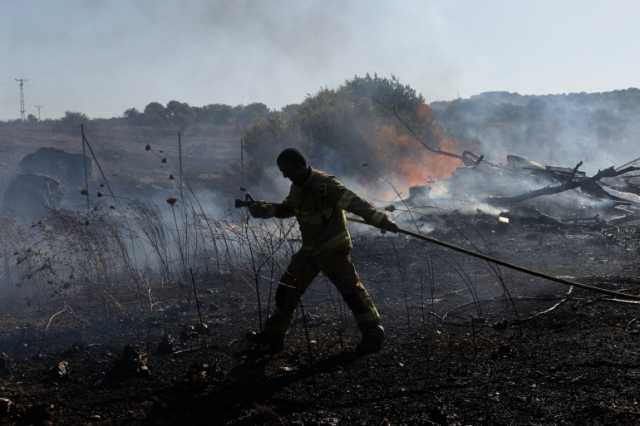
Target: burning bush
{"x":369,"y":128}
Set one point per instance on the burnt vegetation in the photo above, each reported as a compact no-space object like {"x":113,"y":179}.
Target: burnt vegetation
{"x":127,"y":292}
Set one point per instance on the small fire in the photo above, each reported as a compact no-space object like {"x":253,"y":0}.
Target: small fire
{"x":426,"y":167}
{"x":414,"y":164}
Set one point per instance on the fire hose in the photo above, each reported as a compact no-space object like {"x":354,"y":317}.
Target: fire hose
{"x":618,"y":296}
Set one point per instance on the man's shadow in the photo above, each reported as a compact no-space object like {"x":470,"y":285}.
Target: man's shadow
{"x":246,"y":385}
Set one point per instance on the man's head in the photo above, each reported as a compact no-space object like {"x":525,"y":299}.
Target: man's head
{"x":293,"y":165}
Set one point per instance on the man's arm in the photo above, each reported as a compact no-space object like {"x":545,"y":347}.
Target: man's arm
{"x":263,"y":210}
{"x":282,"y":211}
{"x":347,"y":200}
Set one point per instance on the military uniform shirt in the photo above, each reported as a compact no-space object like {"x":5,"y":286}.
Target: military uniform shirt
{"x":319,"y":205}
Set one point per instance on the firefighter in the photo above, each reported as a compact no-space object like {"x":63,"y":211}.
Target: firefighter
{"x":319,"y":201}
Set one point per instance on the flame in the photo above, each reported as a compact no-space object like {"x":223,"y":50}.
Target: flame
{"x":414,"y":164}
{"x":424,"y":113}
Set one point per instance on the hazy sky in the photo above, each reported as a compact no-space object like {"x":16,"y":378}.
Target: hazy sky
{"x":102,"y":57}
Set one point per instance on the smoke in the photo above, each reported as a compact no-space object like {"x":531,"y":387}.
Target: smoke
{"x":600,"y":129}
{"x":127,"y":54}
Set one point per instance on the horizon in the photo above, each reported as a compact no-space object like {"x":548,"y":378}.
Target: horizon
{"x":524,"y":95}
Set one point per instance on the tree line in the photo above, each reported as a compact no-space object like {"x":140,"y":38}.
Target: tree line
{"x":173,"y":114}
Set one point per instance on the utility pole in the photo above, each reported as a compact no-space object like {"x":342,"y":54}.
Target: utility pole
{"x":21,"y":81}
{"x":39,"y":107}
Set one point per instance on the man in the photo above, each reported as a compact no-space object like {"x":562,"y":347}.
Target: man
{"x":318,"y":201}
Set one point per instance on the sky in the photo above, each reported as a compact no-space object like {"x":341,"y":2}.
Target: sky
{"x":103,"y":57}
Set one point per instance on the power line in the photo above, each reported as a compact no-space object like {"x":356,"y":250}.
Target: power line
{"x":21,"y":81}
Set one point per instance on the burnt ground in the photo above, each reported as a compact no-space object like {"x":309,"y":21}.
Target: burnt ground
{"x":460,"y":349}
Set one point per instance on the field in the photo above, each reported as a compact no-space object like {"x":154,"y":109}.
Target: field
{"x":467,"y":343}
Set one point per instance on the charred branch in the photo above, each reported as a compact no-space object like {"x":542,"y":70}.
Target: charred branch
{"x":556,"y":189}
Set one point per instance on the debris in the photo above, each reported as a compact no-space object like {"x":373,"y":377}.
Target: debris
{"x":5,"y":364}
{"x":6,"y":405}
{"x":526,"y":215}
{"x":262,"y":414}
{"x":40,"y":414}
{"x":132,"y":363}
{"x":190,"y":332}
{"x":60,"y":371}
{"x":198,"y":375}
{"x":572,"y":183}
{"x":202,"y":328}
{"x":167,"y":345}
{"x":502,"y":351}
{"x":471,"y":187}
{"x":583,"y":221}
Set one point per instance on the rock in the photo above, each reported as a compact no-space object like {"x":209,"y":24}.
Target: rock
{"x":29,"y":197}
{"x":57,"y":164}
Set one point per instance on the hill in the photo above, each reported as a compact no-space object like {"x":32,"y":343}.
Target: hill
{"x":600,"y":129}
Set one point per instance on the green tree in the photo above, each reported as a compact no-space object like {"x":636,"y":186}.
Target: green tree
{"x":133,"y":116}
{"x":131,"y":113}
{"x":179,"y":113}
{"x":74,"y":118}
{"x":155,"y":113}
{"x":219,"y":114}
{"x":247,"y":115}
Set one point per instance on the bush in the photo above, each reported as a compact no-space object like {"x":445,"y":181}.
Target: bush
{"x":352,"y":131}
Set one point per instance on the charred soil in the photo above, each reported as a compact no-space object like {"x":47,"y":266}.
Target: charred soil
{"x":466,"y":344}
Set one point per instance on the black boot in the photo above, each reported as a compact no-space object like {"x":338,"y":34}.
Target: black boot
{"x":372,"y":340}
{"x":266,"y":342}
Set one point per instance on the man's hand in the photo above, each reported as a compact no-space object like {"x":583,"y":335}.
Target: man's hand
{"x":261,"y":210}
{"x":388,"y":225}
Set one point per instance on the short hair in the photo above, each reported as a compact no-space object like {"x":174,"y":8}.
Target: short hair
{"x":292,"y":156}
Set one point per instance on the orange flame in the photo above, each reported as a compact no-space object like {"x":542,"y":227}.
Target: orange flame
{"x":415,"y":165}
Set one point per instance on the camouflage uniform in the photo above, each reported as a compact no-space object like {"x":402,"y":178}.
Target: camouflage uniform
{"x":319,"y":206}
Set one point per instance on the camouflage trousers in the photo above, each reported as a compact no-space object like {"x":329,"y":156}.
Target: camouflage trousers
{"x":336,"y":266}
